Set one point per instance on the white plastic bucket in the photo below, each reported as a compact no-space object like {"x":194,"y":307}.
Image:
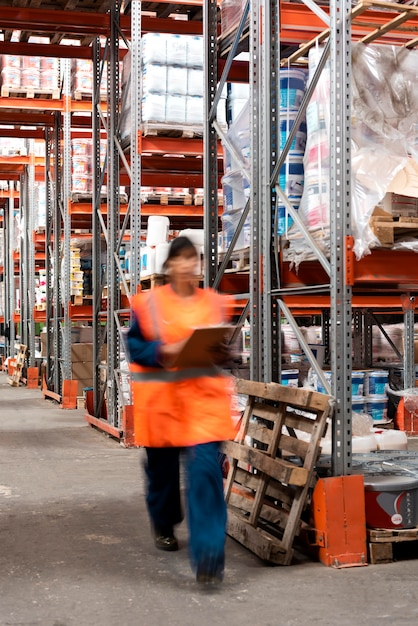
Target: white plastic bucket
{"x":292,"y":87}
{"x":147,"y":261}
{"x":161,"y":253}
{"x":358,"y":404}
{"x":357,"y":383}
{"x":290,"y":378}
{"x":376,"y":407}
{"x":391,"y":439}
{"x":375,"y":382}
{"x":157,"y":231}
{"x":287,"y":120}
{"x":291,"y":176}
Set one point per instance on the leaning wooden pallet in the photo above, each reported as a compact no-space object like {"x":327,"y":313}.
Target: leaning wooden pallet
{"x":272,"y":466}
{"x":14,"y":379}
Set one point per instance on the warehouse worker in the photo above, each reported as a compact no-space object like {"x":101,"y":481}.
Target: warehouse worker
{"x":181,"y":410}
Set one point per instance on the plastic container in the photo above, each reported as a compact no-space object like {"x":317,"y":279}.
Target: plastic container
{"x":147,"y":261}
{"x":10,"y":77}
{"x":31,"y":78}
{"x":375,"y":382}
{"x":292,"y":87}
{"x":358,"y":404}
{"x":290,"y":378}
{"x":291,"y":176}
{"x":376,"y":407}
{"x":157,"y":230}
{"x":161,"y":253}
{"x":391,"y":439}
{"x":287,"y":120}
{"x":230,"y":221}
{"x":357,"y":383}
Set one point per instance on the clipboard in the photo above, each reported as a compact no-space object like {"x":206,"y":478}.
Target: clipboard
{"x":198,"y":349}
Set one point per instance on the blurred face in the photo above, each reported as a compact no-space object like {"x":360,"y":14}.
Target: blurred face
{"x":183,"y":266}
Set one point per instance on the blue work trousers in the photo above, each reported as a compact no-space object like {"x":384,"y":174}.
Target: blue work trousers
{"x":205,"y":503}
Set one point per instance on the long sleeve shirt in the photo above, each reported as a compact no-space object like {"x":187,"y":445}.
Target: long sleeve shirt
{"x":141,"y":351}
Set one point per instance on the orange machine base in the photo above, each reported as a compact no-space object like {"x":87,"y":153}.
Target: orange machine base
{"x":339,"y":519}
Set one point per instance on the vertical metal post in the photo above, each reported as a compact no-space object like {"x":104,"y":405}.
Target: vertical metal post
{"x":210,"y":167}
{"x":24,"y":256}
{"x":341,"y":335}
{"x":135,"y":104}
{"x":113,"y":217}
{"x":51,"y":296}
{"x":358,"y":359}
{"x":57,"y":339}
{"x":256,"y":283}
{"x":31,"y":253}
{"x":266,"y":94}
{"x":96,"y":232}
{"x":66,"y":217}
{"x":408,"y":305}
{"x":10,"y":292}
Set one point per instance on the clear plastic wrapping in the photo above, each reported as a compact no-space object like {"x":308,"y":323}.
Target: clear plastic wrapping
{"x":384,"y":142}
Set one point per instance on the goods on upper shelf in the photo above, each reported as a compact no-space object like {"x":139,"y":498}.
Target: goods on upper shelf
{"x":384,"y":125}
{"x":172,"y":85}
{"x":236,"y":179}
{"x":231,"y":12}
{"x":31,"y":75}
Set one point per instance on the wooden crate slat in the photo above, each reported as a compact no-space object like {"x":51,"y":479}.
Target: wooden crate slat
{"x":259,"y":432}
{"x":275,"y":489}
{"x":295,"y":446}
{"x":297,"y":397}
{"x":262,"y":544}
{"x":276,"y":468}
{"x":299,"y":422}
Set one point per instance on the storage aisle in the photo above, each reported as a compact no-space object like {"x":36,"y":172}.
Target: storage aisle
{"x":76,"y":550}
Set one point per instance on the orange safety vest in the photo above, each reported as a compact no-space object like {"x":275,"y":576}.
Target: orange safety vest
{"x":179,"y":407}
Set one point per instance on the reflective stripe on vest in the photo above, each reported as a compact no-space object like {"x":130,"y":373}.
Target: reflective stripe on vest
{"x":165,"y":376}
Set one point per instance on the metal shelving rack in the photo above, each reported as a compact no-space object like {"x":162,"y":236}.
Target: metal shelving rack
{"x":267,"y":23}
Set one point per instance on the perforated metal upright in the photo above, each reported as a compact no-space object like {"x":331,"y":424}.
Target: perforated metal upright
{"x":65,"y":329}
{"x":9,"y":291}
{"x":27,"y":257}
{"x":135,"y":153}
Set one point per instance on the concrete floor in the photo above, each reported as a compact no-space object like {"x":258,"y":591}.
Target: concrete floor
{"x":75,"y":545}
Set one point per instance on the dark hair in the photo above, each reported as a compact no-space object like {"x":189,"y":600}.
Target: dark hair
{"x":180,"y":246}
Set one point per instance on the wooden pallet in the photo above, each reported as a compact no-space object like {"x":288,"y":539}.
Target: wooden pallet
{"x":155,"y":280}
{"x":269,"y":482}
{"x":79,"y":94}
{"x":29,"y":92}
{"x":389,"y":229}
{"x":82,"y":300}
{"x":15,"y":378}
{"x":199,"y":199}
{"x":239,"y":260}
{"x":381,"y":543}
{"x":167,"y":199}
{"x":156,"y":129}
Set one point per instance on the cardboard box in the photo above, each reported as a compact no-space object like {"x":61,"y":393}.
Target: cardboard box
{"x":82,"y":370}
{"x":81,"y":352}
{"x":84,"y":384}
{"x":84,"y":352}
{"x":43,"y":343}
